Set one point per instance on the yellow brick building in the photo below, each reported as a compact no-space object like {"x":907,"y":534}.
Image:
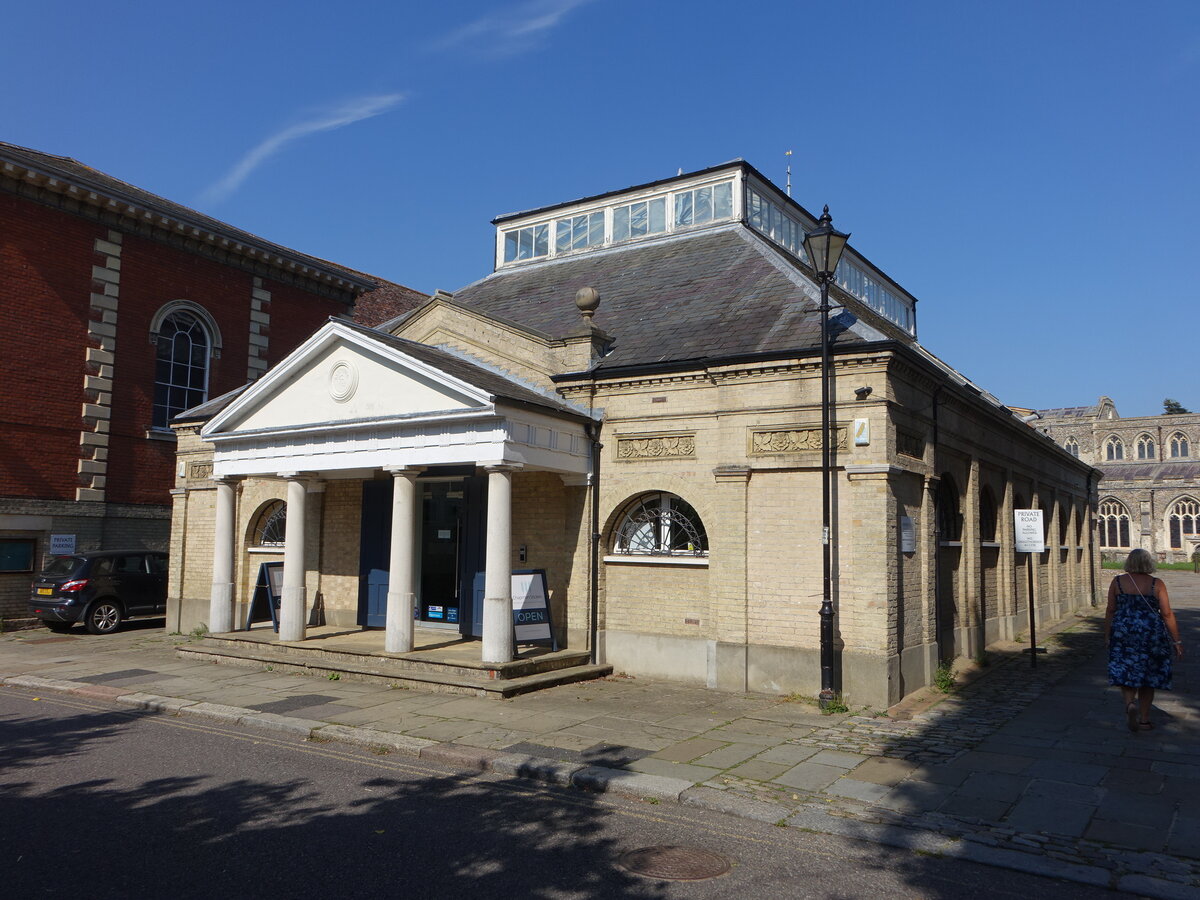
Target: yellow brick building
{"x":631,"y":403}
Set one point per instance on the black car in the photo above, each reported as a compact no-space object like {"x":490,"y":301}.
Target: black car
{"x":100,"y":589}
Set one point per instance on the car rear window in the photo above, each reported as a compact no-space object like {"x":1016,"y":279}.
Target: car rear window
{"x":62,"y":566}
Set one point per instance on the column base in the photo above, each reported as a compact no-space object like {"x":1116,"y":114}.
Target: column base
{"x":291,"y":614}
{"x":398,"y":637}
{"x":220,"y":608}
{"x":499,"y":645}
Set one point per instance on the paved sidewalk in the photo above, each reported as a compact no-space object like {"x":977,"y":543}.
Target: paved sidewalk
{"x":1028,"y":769}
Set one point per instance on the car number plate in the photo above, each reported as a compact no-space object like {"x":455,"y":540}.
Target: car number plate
{"x":45,"y":592}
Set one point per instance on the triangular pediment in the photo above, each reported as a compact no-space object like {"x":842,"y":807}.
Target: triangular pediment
{"x":343,"y":376}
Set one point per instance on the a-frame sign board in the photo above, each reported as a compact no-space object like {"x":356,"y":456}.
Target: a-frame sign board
{"x":267,"y":595}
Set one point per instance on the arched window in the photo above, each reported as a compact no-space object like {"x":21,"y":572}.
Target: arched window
{"x":1179,"y":445}
{"x":1114,"y":524}
{"x":181,"y":373}
{"x":661,"y":525}
{"x":1183,"y":521}
{"x":949,"y":522}
{"x":987,"y":515}
{"x":270,"y":529}
{"x":1145,"y":447}
{"x":1114,"y":448}
{"x":1072,"y":446}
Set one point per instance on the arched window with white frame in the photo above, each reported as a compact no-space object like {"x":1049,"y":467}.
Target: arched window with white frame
{"x":270,"y":526}
{"x":1145,"y":447}
{"x":186,"y":338}
{"x":660,"y":524}
{"x":1114,"y":448}
{"x":1113,"y":520}
{"x":1183,"y":521}
{"x":1179,"y":445}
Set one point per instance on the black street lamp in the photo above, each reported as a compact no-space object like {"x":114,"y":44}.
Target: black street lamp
{"x":824,"y":247}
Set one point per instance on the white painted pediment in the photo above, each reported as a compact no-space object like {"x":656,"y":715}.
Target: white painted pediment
{"x":341,"y":376}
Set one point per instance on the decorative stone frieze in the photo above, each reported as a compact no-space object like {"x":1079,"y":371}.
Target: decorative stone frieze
{"x":792,"y":440}
{"x":656,"y":446}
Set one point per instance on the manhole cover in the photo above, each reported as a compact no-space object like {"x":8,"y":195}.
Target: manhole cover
{"x":674,"y":863}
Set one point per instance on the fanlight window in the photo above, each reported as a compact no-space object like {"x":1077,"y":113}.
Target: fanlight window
{"x":1183,"y":521}
{"x":1145,"y":447}
{"x":271,"y":530}
{"x":661,"y":525}
{"x":1114,"y":524}
{"x":1114,"y":449}
{"x":1179,"y":445}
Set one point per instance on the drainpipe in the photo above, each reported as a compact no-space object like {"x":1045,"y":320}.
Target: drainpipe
{"x":594,"y":552}
{"x":937,"y":537}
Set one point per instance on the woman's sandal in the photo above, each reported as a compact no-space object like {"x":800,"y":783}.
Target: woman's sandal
{"x":1145,"y":726}
{"x":1131,"y":716}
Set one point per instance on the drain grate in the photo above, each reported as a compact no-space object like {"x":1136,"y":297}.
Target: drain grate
{"x":674,"y":863}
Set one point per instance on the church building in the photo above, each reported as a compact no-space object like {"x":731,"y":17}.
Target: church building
{"x":631,"y":404}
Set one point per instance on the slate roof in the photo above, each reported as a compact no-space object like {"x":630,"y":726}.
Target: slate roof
{"x":1069,"y":412}
{"x":1150,"y":471}
{"x":707,"y":295}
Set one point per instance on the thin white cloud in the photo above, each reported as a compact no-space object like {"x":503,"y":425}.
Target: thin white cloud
{"x":512,"y":30}
{"x":328,"y":120}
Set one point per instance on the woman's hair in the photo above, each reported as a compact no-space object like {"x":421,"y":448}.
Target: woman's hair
{"x":1140,"y":562}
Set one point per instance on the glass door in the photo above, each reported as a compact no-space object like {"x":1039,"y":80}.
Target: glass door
{"x":441,"y":550}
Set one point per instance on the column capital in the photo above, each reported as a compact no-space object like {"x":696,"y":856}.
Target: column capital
{"x":490,"y":467}
{"x":405,"y":471}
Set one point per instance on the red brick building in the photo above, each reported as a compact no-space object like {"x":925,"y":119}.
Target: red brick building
{"x":118,"y":310}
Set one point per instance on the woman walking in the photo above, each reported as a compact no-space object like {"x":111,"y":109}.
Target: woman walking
{"x":1142,"y":637}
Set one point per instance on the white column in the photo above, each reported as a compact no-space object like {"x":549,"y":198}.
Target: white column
{"x":401,"y":567}
{"x":220,"y":604}
{"x":498,"y":646}
{"x":292,"y":617}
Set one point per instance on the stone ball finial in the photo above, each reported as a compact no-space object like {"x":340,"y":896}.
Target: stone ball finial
{"x":587,"y":299}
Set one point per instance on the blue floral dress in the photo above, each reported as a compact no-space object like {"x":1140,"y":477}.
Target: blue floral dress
{"x":1139,"y":649}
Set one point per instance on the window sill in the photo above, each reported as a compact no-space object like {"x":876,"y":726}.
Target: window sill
{"x":160,"y":434}
{"x":990,"y":545}
{"x":278,"y":551}
{"x":635,"y":560}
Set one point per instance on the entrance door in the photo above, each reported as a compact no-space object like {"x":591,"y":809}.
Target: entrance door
{"x":450,"y":549}
{"x":441,"y":551}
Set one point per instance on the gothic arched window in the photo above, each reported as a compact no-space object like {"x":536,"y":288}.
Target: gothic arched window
{"x":1145,"y":447}
{"x":1114,"y":524}
{"x":1114,"y":448}
{"x":1179,"y":445}
{"x":1183,"y":520}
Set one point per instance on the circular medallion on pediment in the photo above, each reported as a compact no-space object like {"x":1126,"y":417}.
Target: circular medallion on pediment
{"x":343,"y":380}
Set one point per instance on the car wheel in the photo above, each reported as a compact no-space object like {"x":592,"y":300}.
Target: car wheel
{"x":58,"y":627}
{"x":103,"y":617}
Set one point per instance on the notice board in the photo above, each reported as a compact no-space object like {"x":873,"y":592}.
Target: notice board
{"x":268,"y":593}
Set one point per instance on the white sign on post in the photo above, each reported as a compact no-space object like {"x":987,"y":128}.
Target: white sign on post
{"x":1030,"y":535}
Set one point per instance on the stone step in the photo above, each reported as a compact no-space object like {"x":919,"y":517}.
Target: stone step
{"x":355,"y":667}
{"x":419,"y":661}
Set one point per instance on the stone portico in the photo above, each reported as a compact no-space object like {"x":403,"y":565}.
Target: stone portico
{"x":353,"y":406}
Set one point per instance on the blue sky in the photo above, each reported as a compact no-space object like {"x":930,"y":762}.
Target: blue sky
{"x":1028,"y":170}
